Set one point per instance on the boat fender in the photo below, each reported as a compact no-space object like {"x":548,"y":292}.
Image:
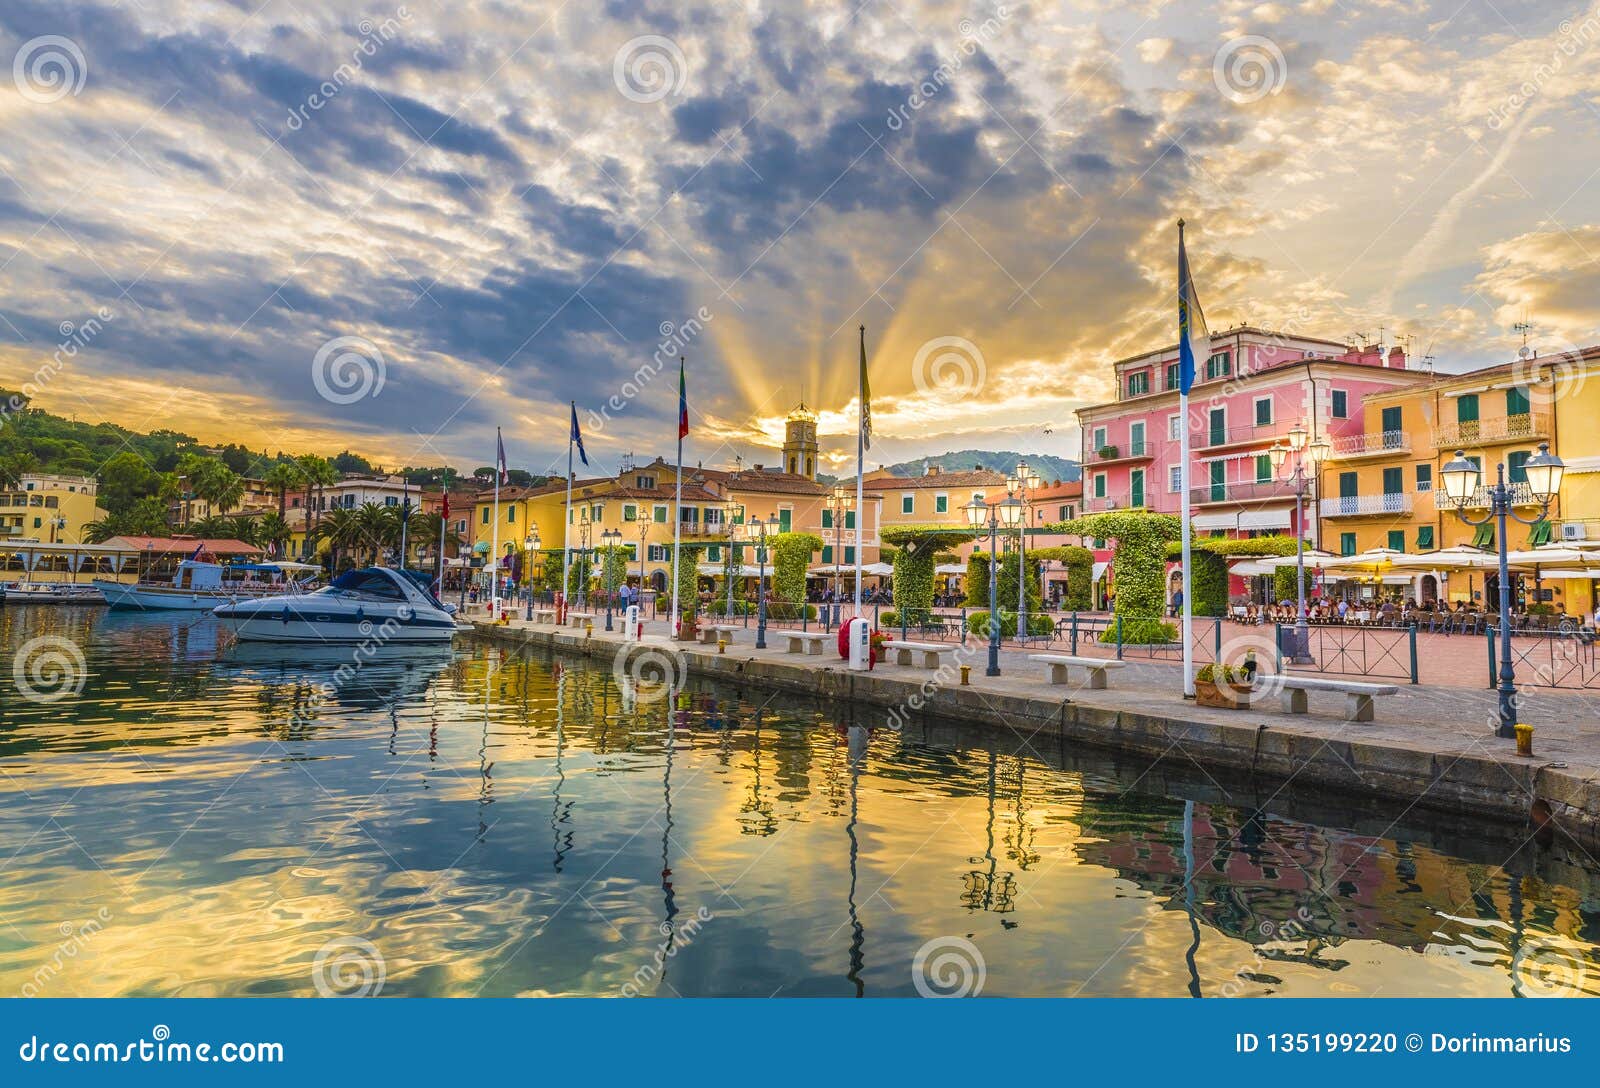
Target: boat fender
{"x":285,"y":614}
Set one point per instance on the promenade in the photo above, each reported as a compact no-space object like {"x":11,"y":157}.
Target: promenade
{"x":1431,"y":745}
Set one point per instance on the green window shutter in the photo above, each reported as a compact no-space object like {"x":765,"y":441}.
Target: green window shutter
{"x":1100,"y":486}
{"x":1347,"y":543}
{"x":1539,"y":534}
{"x":941,"y":504}
{"x":1263,"y":468}
{"x":849,"y":554}
{"x":827,"y":518}
{"x":1393,"y":481}
{"x":714,"y":554}
{"x":1425,"y":538}
{"x":1136,"y":487}
{"x":1484,"y":537}
{"x":1218,"y":427}
{"x":1219,"y":480}
{"x":1391,"y":420}
{"x":908,"y":504}
{"x":1263,"y":412}
{"x":1341,"y":404}
{"x":827,"y":553}
{"x":1467,"y":408}
{"x":1349,"y":485}
{"x":849,"y":519}
{"x":661,"y":515}
{"x":1397,"y":540}
{"x":1517,"y":466}
{"x":785,"y":520}
{"x":1517,"y":403}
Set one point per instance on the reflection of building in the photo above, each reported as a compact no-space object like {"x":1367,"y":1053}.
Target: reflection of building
{"x":48,"y":508}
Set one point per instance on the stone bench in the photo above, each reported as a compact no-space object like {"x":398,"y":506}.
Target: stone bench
{"x":1358,"y":701}
{"x":1097,"y":667}
{"x":544,"y":615}
{"x":712,"y":632}
{"x":807,"y":642}
{"x":903,"y":652}
{"x":578,"y":619}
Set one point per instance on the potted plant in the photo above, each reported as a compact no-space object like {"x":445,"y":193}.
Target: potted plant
{"x":689,"y":627}
{"x":1108,"y":453}
{"x":1224,"y":686}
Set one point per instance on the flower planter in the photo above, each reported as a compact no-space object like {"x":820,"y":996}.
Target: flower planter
{"x":1228,"y":697}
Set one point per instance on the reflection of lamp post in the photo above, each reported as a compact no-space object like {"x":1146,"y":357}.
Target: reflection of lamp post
{"x":530,"y":547}
{"x":982,"y":516}
{"x":1461,"y":479}
{"x":1316,"y":453}
{"x":611,"y":538}
{"x":761,"y":578}
{"x":1021,"y":483}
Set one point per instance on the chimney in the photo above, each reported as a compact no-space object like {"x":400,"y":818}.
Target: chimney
{"x":1397,"y":358}
{"x":757,"y":467}
{"x":932,"y":470}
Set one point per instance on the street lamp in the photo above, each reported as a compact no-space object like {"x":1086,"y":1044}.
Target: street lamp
{"x":760,"y":538}
{"x":840,"y":503}
{"x":730,"y":510}
{"x":1461,"y":480}
{"x":611,"y":538}
{"x":1314,"y":454}
{"x":644,"y":534}
{"x":981,"y":516}
{"x":530,"y":546}
{"x":1021,"y":483}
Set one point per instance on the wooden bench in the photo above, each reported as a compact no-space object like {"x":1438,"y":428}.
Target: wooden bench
{"x":903,"y":652}
{"x":544,"y":615}
{"x":807,"y":642}
{"x":1358,"y":701}
{"x":578,"y":619}
{"x":1097,"y":667}
{"x":712,"y":632}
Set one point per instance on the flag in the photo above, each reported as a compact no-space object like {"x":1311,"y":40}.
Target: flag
{"x":198,"y":551}
{"x":444,"y":511}
{"x":683,"y":403}
{"x":577,"y":435}
{"x":866,"y":396}
{"x":1194,"y":339}
{"x":500,"y":457}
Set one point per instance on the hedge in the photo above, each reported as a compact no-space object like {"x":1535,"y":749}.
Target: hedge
{"x":686,"y":575}
{"x":1138,"y":565}
{"x":978,"y":624}
{"x":1208,"y":583}
{"x":791,"y":555}
{"x":977,"y":580}
{"x":1142,"y":631}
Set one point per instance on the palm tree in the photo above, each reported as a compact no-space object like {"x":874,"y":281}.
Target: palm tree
{"x":14,"y":467}
{"x":271,"y":529}
{"x":281,"y":477}
{"x":317,"y":473}
{"x":376,"y":523}
{"x":340,"y":529}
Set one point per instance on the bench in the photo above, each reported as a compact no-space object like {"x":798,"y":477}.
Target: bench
{"x":712,"y":632}
{"x":1358,"y":702}
{"x":1097,"y":667}
{"x":544,"y":615}
{"x":807,"y":642}
{"x":903,"y":652}
{"x":578,"y":619}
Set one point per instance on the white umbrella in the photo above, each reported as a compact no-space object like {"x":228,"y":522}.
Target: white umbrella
{"x":1314,"y":557}
{"x":1566,"y":557}
{"x":1458,"y":557}
{"x":1372,"y":562}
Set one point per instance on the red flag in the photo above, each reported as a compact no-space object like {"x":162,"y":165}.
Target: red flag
{"x":683,"y":403}
{"x":444,"y":511}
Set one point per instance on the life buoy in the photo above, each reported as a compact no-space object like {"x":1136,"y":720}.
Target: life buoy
{"x":844,"y":643}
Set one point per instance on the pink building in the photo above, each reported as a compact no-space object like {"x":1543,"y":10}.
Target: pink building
{"x":1255,"y":386}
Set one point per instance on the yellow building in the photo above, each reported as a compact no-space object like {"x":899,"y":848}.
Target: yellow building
{"x":935,"y":497}
{"x":50,"y":509}
{"x":1573,"y":381}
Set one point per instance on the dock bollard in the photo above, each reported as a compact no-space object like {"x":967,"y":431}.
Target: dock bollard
{"x":1524,"y":739}
{"x":966,"y":676}
{"x":722,"y":645}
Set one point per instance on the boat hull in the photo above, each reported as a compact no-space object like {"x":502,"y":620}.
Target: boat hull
{"x":291,"y":624}
{"x":158,"y":599}
{"x":11,"y":596}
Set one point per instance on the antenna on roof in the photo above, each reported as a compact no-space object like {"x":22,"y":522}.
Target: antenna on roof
{"x":1524,"y":328}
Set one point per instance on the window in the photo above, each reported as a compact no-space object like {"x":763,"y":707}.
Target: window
{"x":461,"y":526}
{"x":849,"y":554}
{"x":390,"y":500}
{"x":1349,"y":485}
{"x":785,"y":519}
{"x":1341,"y":404}
{"x":941,"y":504}
{"x":1174,"y":375}
{"x":1175,"y":428}
{"x":1392,"y":483}
{"x":630,"y":512}
{"x":511,"y":514}
{"x":713,"y":516}
{"x":1099,"y":485}
{"x":1139,"y":383}
{"x":1347,"y":543}
{"x":908,"y":504}
{"x":1517,"y":466}
{"x":849,"y":519}
{"x":1424,"y":477}
{"x":1517,"y":401}
{"x":1263,"y":468}
{"x":689,"y":515}
{"x":1397,"y":540}
{"x":645,"y":483}
{"x":1136,"y":439}
{"x":1467,"y":408}
{"x":1219,"y":365}
{"x":1425,"y":538}
{"x":656,"y":553}
{"x":485,"y":518}
{"x":827,"y":553}
{"x":1263,"y":411}
{"x":1174,"y":478}
{"x":1136,"y":487}
{"x":1392,"y":427}
{"x":661,"y":513}
{"x":714,"y":553}
{"x":827,"y":517}
{"x":1100,"y":442}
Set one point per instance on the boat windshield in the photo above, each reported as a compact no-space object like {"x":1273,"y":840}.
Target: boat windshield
{"x":371,"y":583}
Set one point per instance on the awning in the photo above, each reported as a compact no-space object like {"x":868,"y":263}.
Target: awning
{"x":1099,"y":570}
{"x":1264,"y":519}
{"x":950,"y":568}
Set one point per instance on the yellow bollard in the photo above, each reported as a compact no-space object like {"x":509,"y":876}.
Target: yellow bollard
{"x":1524,"y":739}
{"x":722,"y":645}
{"x":966,"y":676}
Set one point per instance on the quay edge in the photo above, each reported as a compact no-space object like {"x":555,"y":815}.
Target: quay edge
{"x":1471,"y":784}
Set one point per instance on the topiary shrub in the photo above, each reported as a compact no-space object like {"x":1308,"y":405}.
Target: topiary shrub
{"x":686,"y":575}
{"x":1142,"y":631}
{"x":791,"y":555}
{"x":1080,"y":580}
{"x":978,"y":624}
{"x":977,"y":580}
{"x":1208,"y":582}
{"x":1138,"y":565}
{"x":1283,"y":583}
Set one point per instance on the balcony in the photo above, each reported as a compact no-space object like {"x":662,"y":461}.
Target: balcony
{"x":1521,"y":495}
{"x":1099,"y":505}
{"x":1213,"y":438}
{"x":1476,"y":432}
{"x":1242,"y":491}
{"x":1366,"y":506}
{"x":1351,"y":446}
{"x":1127,"y":451}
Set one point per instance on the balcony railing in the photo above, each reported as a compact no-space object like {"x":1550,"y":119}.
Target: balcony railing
{"x":1362,"y":445}
{"x":1123,"y":501}
{"x":1243,"y":491}
{"x":1207,"y":437}
{"x":1473,"y":432}
{"x":1126,"y":451}
{"x":1361,"y":506}
{"x":1521,"y":495}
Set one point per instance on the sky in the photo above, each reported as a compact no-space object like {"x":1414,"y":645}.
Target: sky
{"x":393,"y":228}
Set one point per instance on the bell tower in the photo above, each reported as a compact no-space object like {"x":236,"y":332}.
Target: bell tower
{"x":800,"y":443}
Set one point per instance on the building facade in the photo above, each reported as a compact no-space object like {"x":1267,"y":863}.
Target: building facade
{"x":49,"y":508}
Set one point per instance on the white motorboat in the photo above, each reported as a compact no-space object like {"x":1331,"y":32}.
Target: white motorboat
{"x":200,"y":586}
{"x":25,"y":592}
{"x":377,"y":604}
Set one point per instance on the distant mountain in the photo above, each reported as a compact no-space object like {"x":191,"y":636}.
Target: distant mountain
{"x":1049,"y":468}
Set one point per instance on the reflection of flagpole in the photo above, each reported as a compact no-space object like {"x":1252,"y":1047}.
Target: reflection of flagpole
{"x":494,"y":554}
{"x":677,"y":503}
{"x":1188,"y":897}
{"x":557,"y":817}
{"x":670,"y":897}
{"x":857,"y":933}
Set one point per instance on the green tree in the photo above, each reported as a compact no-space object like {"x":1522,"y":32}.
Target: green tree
{"x":125,"y":479}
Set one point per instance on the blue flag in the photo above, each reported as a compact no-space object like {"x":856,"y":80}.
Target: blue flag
{"x":577,"y":435}
{"x":1194,"y":339}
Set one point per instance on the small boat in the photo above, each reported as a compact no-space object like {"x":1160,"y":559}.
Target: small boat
{"x":12,"y":593}
{"x":377,"y":604}
{"x":200,"y":586}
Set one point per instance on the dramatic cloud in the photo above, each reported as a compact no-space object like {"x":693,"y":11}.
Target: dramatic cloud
{"x":511,"y":205}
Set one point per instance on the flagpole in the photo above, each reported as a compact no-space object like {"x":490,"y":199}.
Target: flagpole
{"x":1184,"y":497}
{"x":494,"y":555}
{"x":444,"y":529}
{"x":861,"y":470}
{"x":677,"y":506}
{"x":405,"y":510}
{"x":566,"y":531}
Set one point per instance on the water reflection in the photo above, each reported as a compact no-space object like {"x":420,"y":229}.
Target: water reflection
{"x":501,"y":824}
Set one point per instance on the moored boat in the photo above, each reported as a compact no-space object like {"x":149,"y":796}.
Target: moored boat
{"x":377,"y":604}
{"x":199,"y":586}
{"x":26,"y":592}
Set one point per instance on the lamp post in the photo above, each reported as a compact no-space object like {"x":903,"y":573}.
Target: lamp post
{"x":530,"y":547}
{"x":982,"y":516}
{"x":611,"y":538}
{"x":839,"y":505}
{"x":1461,"y":479}
{"x":1021,"y":484}
{"x":761,"y":579}
{"x":644,"y":533}
{"x":730,"y":510}
{"x":1315,"y":453}
{"x":584,"y":525}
